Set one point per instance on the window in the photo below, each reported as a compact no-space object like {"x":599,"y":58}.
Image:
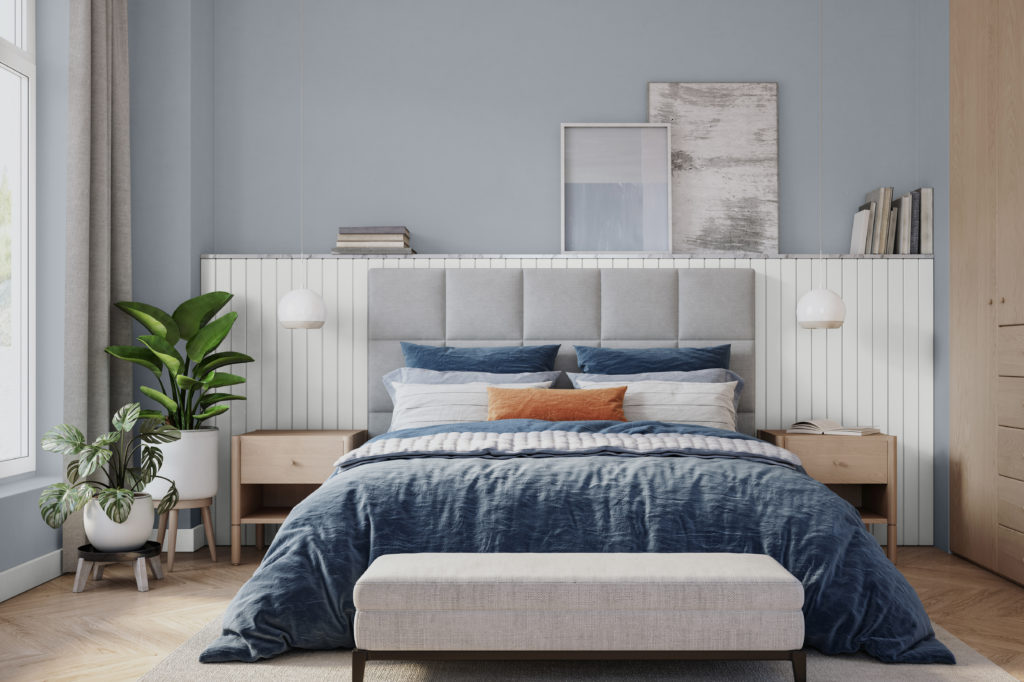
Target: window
{"x":17,"y":236}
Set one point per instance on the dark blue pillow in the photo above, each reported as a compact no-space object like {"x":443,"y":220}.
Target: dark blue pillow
{"x":501,"y":359}
{"x":635,"y":360}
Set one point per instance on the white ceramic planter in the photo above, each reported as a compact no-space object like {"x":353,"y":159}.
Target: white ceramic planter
{"x":191,"y":463}
{"x":107,"y":536}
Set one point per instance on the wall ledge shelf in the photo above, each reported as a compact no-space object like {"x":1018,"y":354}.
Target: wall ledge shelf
{"x":576,"y":256}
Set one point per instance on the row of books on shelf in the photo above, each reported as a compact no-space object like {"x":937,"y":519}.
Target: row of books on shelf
{"x":886,"y":223}
{"x":385,"y":240}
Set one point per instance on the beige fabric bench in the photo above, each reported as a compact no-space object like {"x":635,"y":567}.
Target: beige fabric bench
{"x":578,"y":606}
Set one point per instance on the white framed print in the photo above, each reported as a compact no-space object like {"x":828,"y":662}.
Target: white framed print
{"x":616,"y":188}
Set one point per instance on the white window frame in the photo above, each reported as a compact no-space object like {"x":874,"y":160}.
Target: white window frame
{"x":23,"y":60}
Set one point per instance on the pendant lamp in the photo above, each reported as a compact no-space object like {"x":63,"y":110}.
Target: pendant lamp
{"x":820,"y":308}
{"x":302,"y":308}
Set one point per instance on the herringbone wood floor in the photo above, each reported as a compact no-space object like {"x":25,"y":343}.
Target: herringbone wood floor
{"x":112,"y":632}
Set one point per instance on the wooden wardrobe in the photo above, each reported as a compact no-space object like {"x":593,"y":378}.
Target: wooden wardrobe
{"x":986,"y":238}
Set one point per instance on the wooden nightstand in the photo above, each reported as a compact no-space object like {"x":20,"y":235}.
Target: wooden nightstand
{"x":860,"y":469}
{"x":272,"y":471}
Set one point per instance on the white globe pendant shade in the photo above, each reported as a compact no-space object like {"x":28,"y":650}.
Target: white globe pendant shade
{"x":301,"y":309}
{"x":820,"y":309}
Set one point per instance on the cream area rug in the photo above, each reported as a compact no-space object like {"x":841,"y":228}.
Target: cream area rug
{"x":183,"y":664}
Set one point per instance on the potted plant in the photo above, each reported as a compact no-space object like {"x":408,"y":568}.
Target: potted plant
{"x":118,"y":514}
{"x":189,"y":396}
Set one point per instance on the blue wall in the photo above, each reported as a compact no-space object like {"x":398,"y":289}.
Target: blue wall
{"x":444,"y":116}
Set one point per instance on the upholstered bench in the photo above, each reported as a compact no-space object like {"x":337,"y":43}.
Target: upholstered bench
{"x":578,"y":606}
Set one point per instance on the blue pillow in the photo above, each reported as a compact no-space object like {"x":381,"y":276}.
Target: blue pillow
{"x":637,"y":360}
{"x":499,"y":359}
{"x":702,"y":376}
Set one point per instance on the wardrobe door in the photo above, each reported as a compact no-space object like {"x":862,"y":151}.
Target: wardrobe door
{"x":974,"y":88}
{"x":1010,"y":183}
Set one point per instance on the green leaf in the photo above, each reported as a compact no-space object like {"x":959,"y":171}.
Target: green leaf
{"x":218,"y":360}
{"x":72,"y":474}
{"x":93,"y":457}
{"x":187,"y":382}
{"x":193,"y":314}
{"x":211,"y":398}
{"x":107,"y":438}
{"x":152,"y":318}
{"x":165,"y":401}
{"x":64,"y":439}
{"x":125,"y":418}
{"x":153,"y":415}
{"x":209,"y":337}
{"x":140,"y":356}
{"x":219,"y":379}
{"x":211,"y":412}
{"x":136,"y":477}
{"x":169,"y":500}
{"x":163,"y":350}
{"x":58,"y":501}
{"x":117,"y":503}
{"x":153,"y":431}
{"x":152,"y":460}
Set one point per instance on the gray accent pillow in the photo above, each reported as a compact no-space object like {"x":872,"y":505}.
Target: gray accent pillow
{"x":703,"y":376}
{"x":413,"y":375}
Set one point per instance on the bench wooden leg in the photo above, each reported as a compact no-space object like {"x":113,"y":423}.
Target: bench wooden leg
{"x":799,"y":659}
{"x":161,"y":529}
{"x":358,"y":665}
{"x":172,"y":539}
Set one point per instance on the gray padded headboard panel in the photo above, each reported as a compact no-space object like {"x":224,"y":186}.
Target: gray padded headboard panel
{"x":619,"y":308}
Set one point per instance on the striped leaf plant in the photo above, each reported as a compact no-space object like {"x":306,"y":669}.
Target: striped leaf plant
{"x":188,"y":381}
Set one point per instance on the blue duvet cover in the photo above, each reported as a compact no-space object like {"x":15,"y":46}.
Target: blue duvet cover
{"x":533,"y":486}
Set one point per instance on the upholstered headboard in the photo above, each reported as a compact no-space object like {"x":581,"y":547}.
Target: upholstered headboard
{"x":619,"y":308}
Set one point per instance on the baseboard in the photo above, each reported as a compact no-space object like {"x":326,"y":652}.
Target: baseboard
{"x":24,"y":577}
{"x":187,"y":540}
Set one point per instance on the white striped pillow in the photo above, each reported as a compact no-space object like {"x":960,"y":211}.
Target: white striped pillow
{"x":702,"y":404}
{"x":418,"y":405}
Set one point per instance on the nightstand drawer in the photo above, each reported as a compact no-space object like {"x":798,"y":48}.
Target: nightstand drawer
{"x":289,"y":458}
{"x":838,"y":460}
{"x":1010,"y":345}
{"x":1011,"y":554}
{"x":1011,"y":503}
{"x":1011,"y":452}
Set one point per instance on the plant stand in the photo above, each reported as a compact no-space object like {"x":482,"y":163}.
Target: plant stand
{"x":171,"y":519}
{"x":93,"y":561}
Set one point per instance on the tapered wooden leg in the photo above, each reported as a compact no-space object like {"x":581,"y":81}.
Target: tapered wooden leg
{"x":260,"y":540}
{"x":141,"y":579}
{"x":161,"y":529}
{"x":208,"y":527}
{"x":236,"y":544}
{"x":81,"y":575}
{"x":97,"y":571}
{"x":154,"y":565}
{"x":890,"y":543}
{"x":799,"y":659}
{"x":172,"y":524}
{"x":358,"y":665}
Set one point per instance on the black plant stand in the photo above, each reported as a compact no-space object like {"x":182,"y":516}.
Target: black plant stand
{"x":93,"y":560}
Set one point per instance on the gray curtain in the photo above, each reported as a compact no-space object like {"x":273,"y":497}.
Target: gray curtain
{"x":98,"y":242}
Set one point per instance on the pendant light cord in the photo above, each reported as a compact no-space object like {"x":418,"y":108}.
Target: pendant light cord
{"x":821,"y":119}
{"x":302,"y":204}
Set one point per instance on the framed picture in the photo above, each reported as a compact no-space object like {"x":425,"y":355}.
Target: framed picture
{"x":616,"y":188}
{"x":725,"y":164}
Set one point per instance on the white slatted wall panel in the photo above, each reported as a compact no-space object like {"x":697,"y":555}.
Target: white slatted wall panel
{"x":876,"y":370}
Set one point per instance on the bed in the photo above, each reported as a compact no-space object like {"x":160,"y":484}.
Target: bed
{"x":521,"y":485}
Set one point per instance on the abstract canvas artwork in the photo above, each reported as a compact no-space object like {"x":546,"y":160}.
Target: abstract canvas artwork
{"x":725,"y":164}
{"x":616,"y":188}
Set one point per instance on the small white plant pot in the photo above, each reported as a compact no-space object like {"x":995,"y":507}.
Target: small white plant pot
{"x":108,"y":536}
{"x":191,"y":463}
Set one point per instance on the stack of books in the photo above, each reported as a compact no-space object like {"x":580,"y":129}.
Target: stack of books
{"x":886,"y":223}
{"x":376,"y":240}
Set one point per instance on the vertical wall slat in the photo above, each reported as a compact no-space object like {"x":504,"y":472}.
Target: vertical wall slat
{"x":253,"y":386}
{"x":285,"y":357}
{"x":268,"y":343}
{"x":851,"y":339}
{"x":359,"y":336}
{"x":907,"y":500}
{"x":865,"y":339}
{"x":346,"y":337}
{"x":331,"y":343}
{"x":773,"y":343}
{"x":834,"y":348}
{"x":819,"y":356}
{"x":926,"y":415}
{"x":760,"y":324}
{"x":805,"y":360}
{"x":315,"y":354}
{"x":222,"y":503}
{"x":880,"y":355}
{"x":788,"y":343}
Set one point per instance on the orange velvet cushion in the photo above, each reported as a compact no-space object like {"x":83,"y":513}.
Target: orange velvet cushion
{"x":555,"y":404}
